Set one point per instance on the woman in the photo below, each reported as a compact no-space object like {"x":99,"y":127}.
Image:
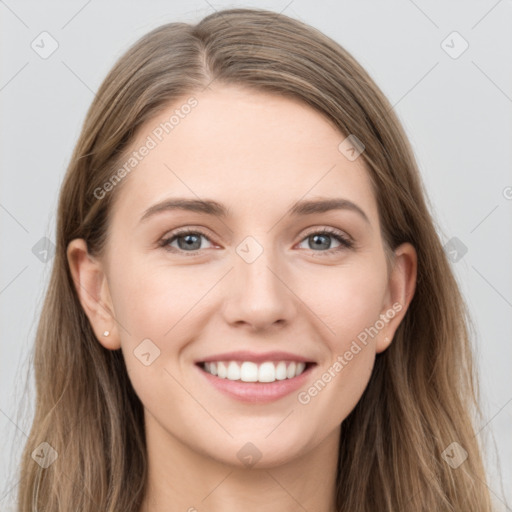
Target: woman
{"x":249,"y":307}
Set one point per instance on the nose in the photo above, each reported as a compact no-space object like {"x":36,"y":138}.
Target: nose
{"x":259,"y":294}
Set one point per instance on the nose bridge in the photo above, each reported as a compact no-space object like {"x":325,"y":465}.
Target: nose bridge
{"x":259,"y":295}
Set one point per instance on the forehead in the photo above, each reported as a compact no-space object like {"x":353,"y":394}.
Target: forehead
{"x":250,"y":150}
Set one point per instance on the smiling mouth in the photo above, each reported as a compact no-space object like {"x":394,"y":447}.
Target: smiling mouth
{"x":248,"y":371}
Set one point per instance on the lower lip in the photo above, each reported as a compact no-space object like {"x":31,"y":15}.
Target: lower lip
{"x":257,"y":392}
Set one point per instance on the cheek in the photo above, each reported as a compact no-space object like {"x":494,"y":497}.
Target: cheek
{"x":150,"y":299}
{"x":349,"y":303}
{"x":152,"y":307}
{"x":347,"y":298}
{"x":160,"y":308}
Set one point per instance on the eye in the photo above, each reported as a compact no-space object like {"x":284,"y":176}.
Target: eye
{"x":320,"y":240}
{"x":187,"y":240}
{"x":190,"y":241}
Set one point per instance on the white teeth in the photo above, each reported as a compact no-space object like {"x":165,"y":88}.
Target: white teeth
{"x":233,"y":371}
{"x":248,"y":371}
{"x":222,"y":371}
{"x":281,"y":370}
{"x":299,"y":369}
{"x":267,"y":372}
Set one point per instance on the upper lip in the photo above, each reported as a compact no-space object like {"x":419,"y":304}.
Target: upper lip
{"x":245,"y":355}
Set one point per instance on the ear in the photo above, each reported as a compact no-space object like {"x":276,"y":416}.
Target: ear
{"x":92,"y":289}
{"x":401,"y":288}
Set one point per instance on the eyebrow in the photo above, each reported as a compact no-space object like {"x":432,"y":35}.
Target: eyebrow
{"x":214,"y":208}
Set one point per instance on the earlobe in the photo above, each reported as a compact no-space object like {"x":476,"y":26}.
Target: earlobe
{"x":401,"y":288}
{"x":92,"y":290}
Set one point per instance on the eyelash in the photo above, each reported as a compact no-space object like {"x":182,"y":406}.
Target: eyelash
{"x":345,"y":242}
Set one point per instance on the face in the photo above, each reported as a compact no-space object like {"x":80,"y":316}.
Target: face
{"x":269,"y":275}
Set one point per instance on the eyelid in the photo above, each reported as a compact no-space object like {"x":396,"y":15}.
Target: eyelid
{"x":330,"y":231}
{"x":173,"y":234}
{"x":344,"y":239}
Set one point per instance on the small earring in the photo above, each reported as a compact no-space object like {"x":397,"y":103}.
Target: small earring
{"x":386,"y":339}
{"x":106,"y":333}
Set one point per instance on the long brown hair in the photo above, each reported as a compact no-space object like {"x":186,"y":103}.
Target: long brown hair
{"x":422,"y":395}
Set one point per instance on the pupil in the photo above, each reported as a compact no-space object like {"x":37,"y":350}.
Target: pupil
{"x":190,"y":240}
{"x":317,"y":237}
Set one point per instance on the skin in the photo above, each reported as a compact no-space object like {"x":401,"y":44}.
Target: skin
{"x":257,"y":154}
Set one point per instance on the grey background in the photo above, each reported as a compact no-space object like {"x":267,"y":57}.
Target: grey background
{"x":456,"y":111}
